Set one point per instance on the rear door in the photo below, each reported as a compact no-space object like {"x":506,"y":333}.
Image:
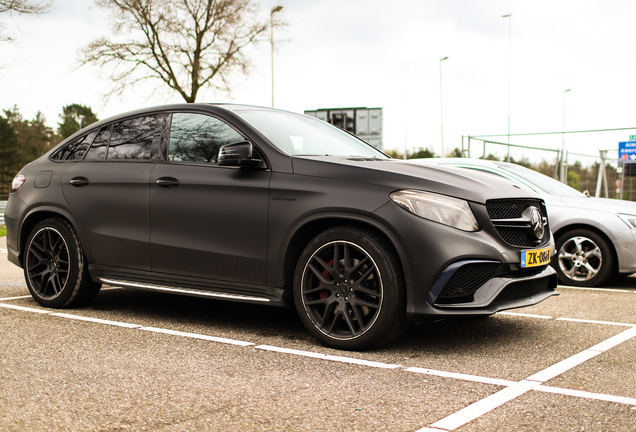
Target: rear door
{"x":108,"y":191}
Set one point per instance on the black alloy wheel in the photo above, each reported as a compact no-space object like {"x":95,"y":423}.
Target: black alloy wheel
{"x":349,"y":290}
{"x":54,"y":266}
{"x":584,"y":258}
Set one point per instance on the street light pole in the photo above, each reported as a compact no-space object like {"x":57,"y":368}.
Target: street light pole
{"x":509,"y":16}
{"x":406,"y":109}
{"x":563,"y":179}
{"x":441,"y":105}
{"x":271,"y":34}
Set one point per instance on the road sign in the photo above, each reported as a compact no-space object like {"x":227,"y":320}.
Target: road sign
{"x":632,"y":137}
{"x":627,"y":151}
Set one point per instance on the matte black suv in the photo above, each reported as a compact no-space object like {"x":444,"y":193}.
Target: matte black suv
{"x":265,"y":206}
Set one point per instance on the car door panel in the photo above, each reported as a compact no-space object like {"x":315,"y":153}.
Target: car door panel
{"x":110,"y":199}
{"x":209,"y":222}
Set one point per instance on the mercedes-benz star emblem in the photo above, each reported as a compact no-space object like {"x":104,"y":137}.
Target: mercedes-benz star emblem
{"x":537,"y":222}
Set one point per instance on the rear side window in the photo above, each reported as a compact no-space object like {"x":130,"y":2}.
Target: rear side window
{"x":133,"y":139}
{"x":100,"y":145}
{"x":76,"y":149}
{"x":138,"y":138}
{"x":198,"y":138}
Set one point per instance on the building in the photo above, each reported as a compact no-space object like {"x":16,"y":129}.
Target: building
{"x":365,"y":123}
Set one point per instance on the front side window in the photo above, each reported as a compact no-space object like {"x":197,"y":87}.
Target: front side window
{"x":198,"y":138}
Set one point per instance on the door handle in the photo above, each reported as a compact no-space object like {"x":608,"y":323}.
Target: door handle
{"x":167,"y":182}
{"x":79,"y":181}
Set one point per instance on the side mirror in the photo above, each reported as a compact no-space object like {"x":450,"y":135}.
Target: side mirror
{"x":237,"y":154}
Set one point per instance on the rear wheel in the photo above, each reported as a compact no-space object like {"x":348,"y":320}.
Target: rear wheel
{"x":349,"y":289}
{"x":54,"y":266}
{"x":584,"y":258}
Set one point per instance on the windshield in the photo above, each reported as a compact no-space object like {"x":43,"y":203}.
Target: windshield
{"x":543,"y":182}
{"x":300,"y":135}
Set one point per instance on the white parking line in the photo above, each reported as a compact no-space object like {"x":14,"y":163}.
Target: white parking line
{"x":463,"y":377}
{"x":196,"y":336}
{"x":484,"y":406}
{"x":587,"y":395}
{"x":595,"y":322}
{"x":594,"y":289}
{"x":96,"y":320}
{"x":495,"y":400}
{"x":563,"y":366}
{"x":25,"y":309}
{"x":329,"y":357}
{"x":524,"y":315}
{"x":512,"y":390}
{"x":15,"y":298}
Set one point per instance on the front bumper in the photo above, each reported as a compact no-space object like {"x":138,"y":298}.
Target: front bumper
{"x":475,"y":287}
{"x":450,"y":272}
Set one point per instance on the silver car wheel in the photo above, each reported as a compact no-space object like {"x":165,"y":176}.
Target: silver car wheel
{"x":580,"y":259}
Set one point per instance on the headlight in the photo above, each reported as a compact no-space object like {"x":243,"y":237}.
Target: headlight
{"x":18,"y":181}
{"x":437,"y":208}
{"x":630,"y":220}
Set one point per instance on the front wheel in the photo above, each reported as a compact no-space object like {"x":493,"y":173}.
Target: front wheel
{"x":584,"y":258}
{"x":54,"y":266}
{"x":349,"y":289}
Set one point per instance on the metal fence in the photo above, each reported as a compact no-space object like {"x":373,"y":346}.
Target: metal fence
{"x":600,"y":175}
{"x":3,"y":206}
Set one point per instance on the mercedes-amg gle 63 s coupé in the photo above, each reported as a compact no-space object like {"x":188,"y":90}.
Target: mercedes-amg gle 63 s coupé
{"x":265,"y":206}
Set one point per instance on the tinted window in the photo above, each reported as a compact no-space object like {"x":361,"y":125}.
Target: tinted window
{"x":198,"y":138}
{"x":76,"y":149}
{"x":100,"y":145}
{"x":133,"y":139}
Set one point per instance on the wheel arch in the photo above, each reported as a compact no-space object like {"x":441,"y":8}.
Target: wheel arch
{"x":562,"y":230}
{"x":35,"y":216}
{"x":309,"y":228}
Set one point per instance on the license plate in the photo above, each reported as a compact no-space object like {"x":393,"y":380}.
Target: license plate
{"x":535,"y":257}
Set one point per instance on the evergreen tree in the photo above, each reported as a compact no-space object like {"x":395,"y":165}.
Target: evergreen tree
{"x":9,"y":156}
{"x":72,"y":117}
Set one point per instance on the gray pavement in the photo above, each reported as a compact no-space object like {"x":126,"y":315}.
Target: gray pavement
{"x":136,"y":360}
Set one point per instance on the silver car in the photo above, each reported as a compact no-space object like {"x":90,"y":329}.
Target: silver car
{"x":595,"y":237}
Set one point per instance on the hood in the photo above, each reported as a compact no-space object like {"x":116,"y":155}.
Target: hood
{"x":600,"y":204}
{"x":397,"y":174}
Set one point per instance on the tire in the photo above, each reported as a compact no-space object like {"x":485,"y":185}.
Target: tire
{"x":584,"y":258}
{"x":55,"y":268}
{"x":358,"y":303}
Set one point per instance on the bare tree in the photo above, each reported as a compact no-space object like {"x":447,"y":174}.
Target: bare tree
{"x":31,"y":7}
{"x":186,"y":44}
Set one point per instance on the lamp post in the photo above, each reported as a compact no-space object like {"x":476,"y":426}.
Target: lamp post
{"x":563,"y":179}
{"x":441,"y":105}
{"x":509,"y":16}
{"x":406,"y":109}
{"x":271,"y":34}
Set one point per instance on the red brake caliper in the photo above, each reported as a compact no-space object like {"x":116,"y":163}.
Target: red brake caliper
{"x":324,"y":294}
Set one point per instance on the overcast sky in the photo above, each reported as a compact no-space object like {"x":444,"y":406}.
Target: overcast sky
{"x":355,"y":53}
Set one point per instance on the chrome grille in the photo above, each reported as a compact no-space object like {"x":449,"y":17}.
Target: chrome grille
{"x":503,"y":213}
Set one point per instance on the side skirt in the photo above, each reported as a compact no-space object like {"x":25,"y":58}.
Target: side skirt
{"x":194,"y":287}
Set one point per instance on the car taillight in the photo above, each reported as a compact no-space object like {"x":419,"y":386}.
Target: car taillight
{"x":18,"y":181}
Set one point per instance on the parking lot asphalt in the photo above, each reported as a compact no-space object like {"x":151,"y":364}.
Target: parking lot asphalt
{"x":136,"y":360}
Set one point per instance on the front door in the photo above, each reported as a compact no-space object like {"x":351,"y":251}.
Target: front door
{"x":207,"y":221}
